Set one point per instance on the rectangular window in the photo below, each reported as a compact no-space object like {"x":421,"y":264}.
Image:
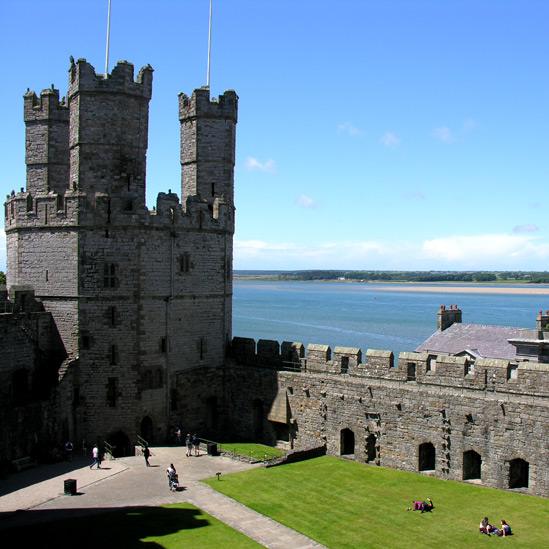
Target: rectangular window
{"x":185,"y":262}
{"x":202,"y":347}
{"x":344,"y":364}
{"x":112,"y":391}
{"x":163,"y":345}
{"x":113,"y":355}
{"x":469,"y":368}
{"x":110,"y":275}
{"x":431,"y":364}
{"x":512,"y":372}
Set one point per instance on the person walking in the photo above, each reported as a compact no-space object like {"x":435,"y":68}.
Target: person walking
{"x":196,"y":445}
{"x":147,"y":454}
{"x":95,"y":457}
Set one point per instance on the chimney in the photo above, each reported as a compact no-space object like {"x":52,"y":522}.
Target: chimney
{"x":447,"y":316}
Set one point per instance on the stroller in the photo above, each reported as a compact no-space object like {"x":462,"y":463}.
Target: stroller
{"x":173,"y":482}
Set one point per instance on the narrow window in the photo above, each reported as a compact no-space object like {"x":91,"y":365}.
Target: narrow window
{"x":431,"y":364}
{"x":47,"y":275}
{"x":163,"y":345}
{"x":202,"y":347}
{"x":512,"y":372}
{"x":108,"y":210}
{"x":110,"y":279}
{"x":112,"y":391}
{"x":85,"y":341}
{"x":111,"y":316}
{"x":213,"y":189}
{"x":185,"y":262}
{"x":469,"y":368}
{"x":29,"y":203}
{"x":60,"y":202}
{"x":128,"y":206}
{"x":229,"y":272}
{"x":344,"y":364}
{"x":113,"y":355}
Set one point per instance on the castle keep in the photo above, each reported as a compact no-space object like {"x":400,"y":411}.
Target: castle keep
{"x":137,"y":296}
{"x":118,"y":319}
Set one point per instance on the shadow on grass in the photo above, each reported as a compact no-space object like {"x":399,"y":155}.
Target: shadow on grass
{"x":97,"y":527}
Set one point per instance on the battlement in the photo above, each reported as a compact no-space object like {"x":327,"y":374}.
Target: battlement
{"x":492,"y":375}
{"x":200,"y":105}
{"x":46,"y":107}
{"x":82,"y":77}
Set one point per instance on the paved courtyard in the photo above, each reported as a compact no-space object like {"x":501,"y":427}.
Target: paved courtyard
{"x":126,"y":482}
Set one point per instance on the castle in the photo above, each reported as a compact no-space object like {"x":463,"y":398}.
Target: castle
{"x":118,"y":318}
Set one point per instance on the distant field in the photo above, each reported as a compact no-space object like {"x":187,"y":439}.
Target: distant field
{"x":344,"y":504}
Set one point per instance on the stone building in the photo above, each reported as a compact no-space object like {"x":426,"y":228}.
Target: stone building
{"x":126,"y":314}
{"x":137,"y":296}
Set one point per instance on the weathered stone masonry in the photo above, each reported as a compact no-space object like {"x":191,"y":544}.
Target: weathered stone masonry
{"x":382,"y":411}
{"x":138,"y":296}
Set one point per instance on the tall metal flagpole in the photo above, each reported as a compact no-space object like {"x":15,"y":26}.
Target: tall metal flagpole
{"x":209,"y":47}
{"x":108,"y":39}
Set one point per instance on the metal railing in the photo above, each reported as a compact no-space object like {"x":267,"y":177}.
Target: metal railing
{"x":109,"y":448}
{"x":141,"y":441}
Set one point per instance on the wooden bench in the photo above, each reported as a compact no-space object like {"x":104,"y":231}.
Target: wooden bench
{"x":23,"y":463}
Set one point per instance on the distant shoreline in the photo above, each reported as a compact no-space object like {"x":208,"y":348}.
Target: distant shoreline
{"x":460,"y":289}
{"x":420,"y":287}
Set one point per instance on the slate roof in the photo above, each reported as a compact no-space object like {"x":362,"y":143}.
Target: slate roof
{"x":480,"y":340}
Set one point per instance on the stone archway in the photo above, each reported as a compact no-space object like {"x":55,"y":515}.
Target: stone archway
{"x":146,"y":429}
{"x":472,"y":465}
{"x":426,"y":457}
{"x":347,"y":442}
{"x":519,"y":473}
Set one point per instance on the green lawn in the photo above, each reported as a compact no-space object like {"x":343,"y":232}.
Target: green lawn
{"x":168,"y":526}
{"x":346,"y":504}
{"x":252,"y":450}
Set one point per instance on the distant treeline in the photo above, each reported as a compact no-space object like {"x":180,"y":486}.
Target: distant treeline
{"x":404,"y":276}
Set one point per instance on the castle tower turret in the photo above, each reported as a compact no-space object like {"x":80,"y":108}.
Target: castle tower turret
{"x":109,"y":128}
{"x":47,"y":138}
{"x":208,"y":145}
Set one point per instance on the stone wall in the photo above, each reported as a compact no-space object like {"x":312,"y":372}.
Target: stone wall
{"x":389,"y":415}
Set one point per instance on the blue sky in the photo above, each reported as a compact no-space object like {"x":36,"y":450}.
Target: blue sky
{"x":372,"y":135}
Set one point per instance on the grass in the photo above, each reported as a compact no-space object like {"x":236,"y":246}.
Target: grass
{"x":258,"y":452}
{"x":346,"y":504}
{"x":168,"y":526}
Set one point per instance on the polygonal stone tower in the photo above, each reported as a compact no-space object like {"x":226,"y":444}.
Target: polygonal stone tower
{"x":138,"y":296}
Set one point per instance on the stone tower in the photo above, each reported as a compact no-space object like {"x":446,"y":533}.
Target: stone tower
{"x":138,"y":296}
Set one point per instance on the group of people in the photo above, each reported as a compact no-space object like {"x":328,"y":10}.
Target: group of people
{"x":486,"y":528}
{"x":192,"y":442}
{"x":424,"y":506}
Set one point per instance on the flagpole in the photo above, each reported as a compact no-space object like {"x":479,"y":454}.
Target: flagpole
{"x":108,"y":39}
{"x":209,"y":47}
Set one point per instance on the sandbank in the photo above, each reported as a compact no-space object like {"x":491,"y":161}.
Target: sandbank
{"x":460,"y":289}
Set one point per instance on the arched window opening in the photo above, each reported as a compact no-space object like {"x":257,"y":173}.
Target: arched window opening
{"x":427,"y":457}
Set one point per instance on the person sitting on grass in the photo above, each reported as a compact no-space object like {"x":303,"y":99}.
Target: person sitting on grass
{"x":423,"y":506}
{"x":505,"y":529}
{"x":485,"y":527}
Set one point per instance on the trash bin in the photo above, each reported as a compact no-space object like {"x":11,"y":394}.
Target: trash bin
{"x":70,"y":487}
{"x":212,"y":449}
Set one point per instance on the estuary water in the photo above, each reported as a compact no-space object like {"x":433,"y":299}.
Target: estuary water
{"x":369,"y":316}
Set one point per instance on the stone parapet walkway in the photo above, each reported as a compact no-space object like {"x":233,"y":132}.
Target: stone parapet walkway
{"x":127,"y":482}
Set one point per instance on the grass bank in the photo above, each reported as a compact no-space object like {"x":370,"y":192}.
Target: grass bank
{"x":345,"y":504}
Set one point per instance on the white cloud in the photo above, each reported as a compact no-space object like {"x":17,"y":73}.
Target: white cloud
{"x":471,"y":252}
{"x":305,"y":201}
{"x":254,"y":165}
{"x":485,"y":249}
{"x":528,"y":228}
{"x":349,"y":129}
{"x":390,"y":139}
{"x":443,"y":134}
